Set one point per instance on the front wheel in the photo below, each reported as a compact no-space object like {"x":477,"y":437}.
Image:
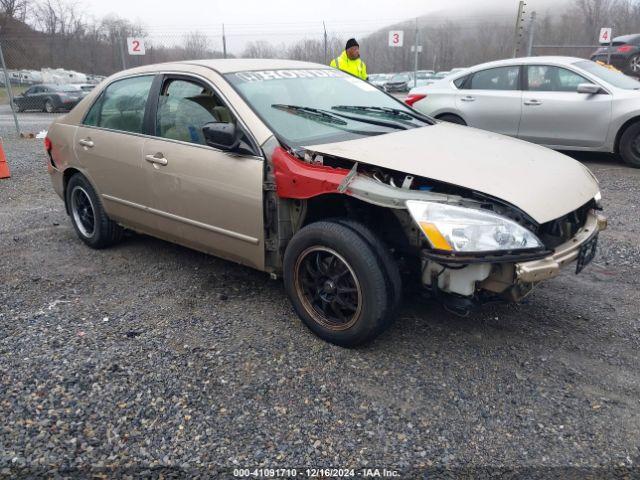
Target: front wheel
{"x":630,"y":145}
{"x":337,"y":284}
{"x":49,"y":107}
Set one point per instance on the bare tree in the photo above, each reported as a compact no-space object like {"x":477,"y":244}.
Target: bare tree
{"x":14,"y":8}
{"x":259,"y":49}
{"x":195,"y":45}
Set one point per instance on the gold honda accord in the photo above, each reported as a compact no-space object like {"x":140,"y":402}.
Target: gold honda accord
{"x":304,"y":171}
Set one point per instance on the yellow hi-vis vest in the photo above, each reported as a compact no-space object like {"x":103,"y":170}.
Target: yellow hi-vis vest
{"x":355,"y":67}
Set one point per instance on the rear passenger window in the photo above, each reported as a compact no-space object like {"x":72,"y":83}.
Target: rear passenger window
{"x":501,"y":78}
{"x":121,"y":106}
{"x":185,"y":107}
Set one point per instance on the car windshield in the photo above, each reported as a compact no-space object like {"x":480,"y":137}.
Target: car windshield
{"x":613,"y":77}
{"x":312,"y":106}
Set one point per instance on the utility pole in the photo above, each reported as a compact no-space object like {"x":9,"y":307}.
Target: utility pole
{"x":224,"y":43}
{"x":519,"y":28}
{"x":415,"y":58}
{"x":532,"y":26}
{"x":7,"y":83}
{"x":122,"y":56}
{"x":325,"y":42}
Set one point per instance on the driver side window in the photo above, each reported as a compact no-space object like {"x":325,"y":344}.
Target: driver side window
{"x":546,"y":78}
{"x":185,"y":106}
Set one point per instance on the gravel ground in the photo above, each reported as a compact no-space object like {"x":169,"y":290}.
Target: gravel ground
{"x":152,"y":359}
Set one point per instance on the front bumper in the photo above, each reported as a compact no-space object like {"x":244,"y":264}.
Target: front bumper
{"x":538,"y":270}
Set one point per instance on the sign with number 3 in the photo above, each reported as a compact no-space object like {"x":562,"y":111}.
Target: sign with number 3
{"x":135,"y":46}
{"x":396,"y":38}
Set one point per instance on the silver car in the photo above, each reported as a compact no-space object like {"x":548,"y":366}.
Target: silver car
{"x":563,"y":103}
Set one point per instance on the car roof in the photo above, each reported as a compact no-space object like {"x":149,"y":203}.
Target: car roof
{"x":230,"y":65}
{"x":555,"y":60}
{"x":627,"y":38}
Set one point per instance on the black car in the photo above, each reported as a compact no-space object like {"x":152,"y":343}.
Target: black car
{"x":49,"y":98}
{"x":399,"y":83}
{"x":625,"y":54}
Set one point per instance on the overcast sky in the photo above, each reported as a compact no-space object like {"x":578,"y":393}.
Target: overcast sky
{"x":281,"y":20}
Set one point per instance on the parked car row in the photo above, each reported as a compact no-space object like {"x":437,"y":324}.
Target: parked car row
{"x":563,"y":103}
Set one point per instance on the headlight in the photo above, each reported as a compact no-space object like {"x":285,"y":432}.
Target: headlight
{"x":459,"y":229}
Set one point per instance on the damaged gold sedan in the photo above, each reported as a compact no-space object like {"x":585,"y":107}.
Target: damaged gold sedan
{"x":303,"y":171}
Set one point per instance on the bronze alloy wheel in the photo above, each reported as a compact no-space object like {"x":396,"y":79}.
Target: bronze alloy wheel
{"x":328,"y":287}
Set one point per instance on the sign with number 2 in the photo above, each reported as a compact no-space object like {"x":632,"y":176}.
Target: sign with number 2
{"x":135,"y":46}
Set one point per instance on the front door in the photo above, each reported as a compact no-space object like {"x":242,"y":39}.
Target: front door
{"x":109,"y":144}
{"x":492,"y":100}
{"x":555,"y":114}
{"x":204,"y":197}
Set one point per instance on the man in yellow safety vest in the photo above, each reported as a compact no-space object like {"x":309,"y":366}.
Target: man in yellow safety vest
{"x":349,"y":61}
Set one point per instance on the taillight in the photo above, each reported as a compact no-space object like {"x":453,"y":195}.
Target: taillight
{"x":413,"y":98}
{"x":47,"y":144}
{"x":625,"y":48}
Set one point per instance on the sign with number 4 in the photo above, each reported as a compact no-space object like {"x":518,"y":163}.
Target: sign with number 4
{"x":135,"y":46}
{"x":605,"y":35}
{"x":396,"y":38}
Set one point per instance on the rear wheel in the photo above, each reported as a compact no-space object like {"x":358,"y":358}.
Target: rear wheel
{"x":17,"y":107}
{"x":88,"y":216}
{"x":337,"y":284}
{"x":630,"y":145}
{"x":451,"y":118}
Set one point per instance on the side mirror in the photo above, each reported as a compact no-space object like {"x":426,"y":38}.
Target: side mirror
{"x":588,"y":88}
{"x":224,"y":136}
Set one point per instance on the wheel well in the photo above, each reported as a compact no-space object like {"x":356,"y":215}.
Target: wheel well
{"x":451,"y":115}
{"x":380,"y":219}
{"x":621,"y":130}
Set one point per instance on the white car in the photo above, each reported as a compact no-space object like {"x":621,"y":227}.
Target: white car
{"x":563,"y":103}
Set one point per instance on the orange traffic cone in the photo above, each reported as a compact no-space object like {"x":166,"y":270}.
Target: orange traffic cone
{"x":4,"y":166}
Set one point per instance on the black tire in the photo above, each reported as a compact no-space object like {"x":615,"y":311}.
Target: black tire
{"x":84,"y":204}
{"x":390,"y":266}
{"x":629,"y":147}
{"x":451,"y":118}
{"x":335,"y":256}
{"x":17,"y":107}
{"x":49,"y":107}
{"x":633,"y":66}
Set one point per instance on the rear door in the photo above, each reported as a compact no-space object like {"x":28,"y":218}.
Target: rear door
{"x":492,"y":100}
{"x":204,"y":197}
{"x":555,"y":114}
{"x":109,"y":146}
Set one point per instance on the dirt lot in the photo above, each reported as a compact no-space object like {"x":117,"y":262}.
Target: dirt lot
{"x":151,"y":358}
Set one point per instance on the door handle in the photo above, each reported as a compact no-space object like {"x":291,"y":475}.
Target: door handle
{"x":468,"y":98}
{"x":86,"y":142}
{"x":533,"y":102}
{"x":158,"y":160}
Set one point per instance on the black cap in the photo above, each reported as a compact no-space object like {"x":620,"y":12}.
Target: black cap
{"x":351,"y":43}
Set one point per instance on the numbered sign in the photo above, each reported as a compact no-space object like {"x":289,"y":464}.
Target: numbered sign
{"x":396,"y":38}
{"x":135,"y":46}
{"x":605,"y":35}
